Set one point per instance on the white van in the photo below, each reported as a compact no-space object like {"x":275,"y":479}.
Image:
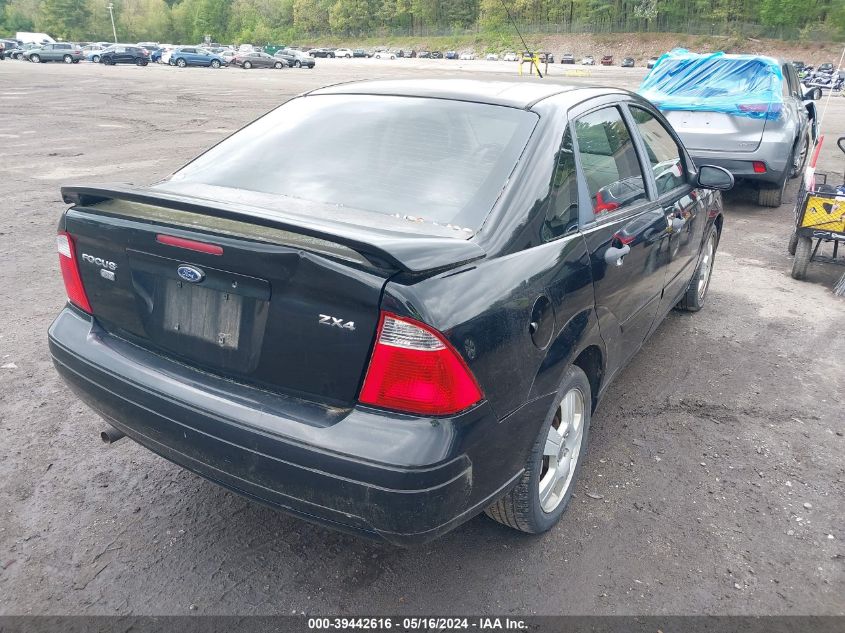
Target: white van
{"x":34,"y":38}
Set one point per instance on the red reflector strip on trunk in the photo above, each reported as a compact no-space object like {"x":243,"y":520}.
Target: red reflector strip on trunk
{"x":191,"y":245}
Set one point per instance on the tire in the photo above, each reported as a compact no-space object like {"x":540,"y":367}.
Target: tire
{"x":803,"y":154}
{"x":523,"y":508}
{"x":96,"y":59}
{"x":139,"y":62}
{"x":803,"y":252}
{"x":770,"y":196}
{"x":297,"y":64}
{"x":181,"y":63}
{"x":247,"y":65}
{"x":76,"y":61}
{"x":793,"y":242}
{"x":278,"y":65}
{"x":696,"y":294}
{"x":67,"y":59}
{"x":215,"y":64}
{"x":35,"y":59}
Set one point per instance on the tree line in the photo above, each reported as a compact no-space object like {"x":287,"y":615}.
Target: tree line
{"x":285,"y":21}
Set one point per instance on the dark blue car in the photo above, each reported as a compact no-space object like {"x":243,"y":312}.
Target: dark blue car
{"x":191,"y":56}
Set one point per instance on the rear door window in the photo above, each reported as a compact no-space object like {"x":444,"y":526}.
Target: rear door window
{"x":609,"y":161}
{"x":562,"y":215}
{"x":664,"y":155}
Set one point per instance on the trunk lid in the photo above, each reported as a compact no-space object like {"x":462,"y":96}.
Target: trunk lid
{"x":289,"y":308}
{"x":717,"y":131}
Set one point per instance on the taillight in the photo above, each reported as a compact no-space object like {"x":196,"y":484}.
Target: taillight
{"x":414,"y":369}
{"x":70,"y":272}
{"x":759,"y":167}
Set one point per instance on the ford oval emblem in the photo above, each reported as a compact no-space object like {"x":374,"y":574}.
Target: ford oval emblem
{"x":190,"y":274}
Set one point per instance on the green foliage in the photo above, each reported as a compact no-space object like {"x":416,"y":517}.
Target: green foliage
{"x":260,"y":21}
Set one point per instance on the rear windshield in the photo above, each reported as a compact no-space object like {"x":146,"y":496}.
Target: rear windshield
{"x":425,"y":161}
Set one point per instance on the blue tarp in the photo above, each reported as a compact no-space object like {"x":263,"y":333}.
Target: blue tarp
{"x":743,"y":85}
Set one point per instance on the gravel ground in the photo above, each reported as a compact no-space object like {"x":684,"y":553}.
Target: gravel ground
{"x":714,"y":483}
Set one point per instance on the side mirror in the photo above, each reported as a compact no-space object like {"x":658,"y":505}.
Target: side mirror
{"x":712,"y":177}
{"x":813,"y":94}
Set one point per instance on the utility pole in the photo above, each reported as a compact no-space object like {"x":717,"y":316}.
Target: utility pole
{"x":111,"y":13}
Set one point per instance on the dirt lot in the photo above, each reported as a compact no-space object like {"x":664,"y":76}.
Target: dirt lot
{"x":716,"y":476}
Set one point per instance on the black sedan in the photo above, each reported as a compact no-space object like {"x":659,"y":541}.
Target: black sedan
{"x":321,"y":52}
{"x":121,"y":54}
{"x":257,"y":59}
{"x":409,"y":323}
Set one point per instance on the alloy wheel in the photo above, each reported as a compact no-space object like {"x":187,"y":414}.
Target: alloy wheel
{"x":560,"y":453}
{"x":706,"y":268}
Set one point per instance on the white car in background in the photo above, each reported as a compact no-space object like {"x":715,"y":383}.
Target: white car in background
{"x":511,"y":57}
{"x":343,"y":52}
{"x":384,"y":55}
{"x":492,"y":57}
{"x":227,"y":55}
{"x":467,"y":56}
{"x":165,"y":56}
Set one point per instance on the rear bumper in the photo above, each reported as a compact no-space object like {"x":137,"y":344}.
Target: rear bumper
{"x":399,"y":478}
{"x":744,"y":167}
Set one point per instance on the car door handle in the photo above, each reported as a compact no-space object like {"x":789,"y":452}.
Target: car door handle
{"x":615,"y":256}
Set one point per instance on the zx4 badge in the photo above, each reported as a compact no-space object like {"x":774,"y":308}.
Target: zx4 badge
{"x":331,"y":321}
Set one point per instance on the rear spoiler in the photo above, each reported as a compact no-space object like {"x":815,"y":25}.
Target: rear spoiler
{"x":407,"y":252}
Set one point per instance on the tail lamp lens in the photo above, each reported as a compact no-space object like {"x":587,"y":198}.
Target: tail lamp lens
{"x":759,"y":167}
{"x":70,"y":272}
{"x":415,"y":370}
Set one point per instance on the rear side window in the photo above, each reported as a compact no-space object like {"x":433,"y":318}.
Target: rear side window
{"x":609,"y":161}
{"x":562,"y":216}
{"x":664,"y":155}
{"x":424,"y":161}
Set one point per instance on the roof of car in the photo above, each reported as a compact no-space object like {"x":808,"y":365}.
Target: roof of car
{"x":507,"y":93}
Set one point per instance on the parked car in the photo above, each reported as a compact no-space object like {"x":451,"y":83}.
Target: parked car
{"x":56,"y":52}
{"x":295,"y":58}
{"x":424,"y":55}
{"x":607,"y":60}
{"x":546,"y":58}
{"x":344,"y":52}
{"x":627,"y":62}
{"x":436,"y":55}
{"x":195,"y":56}
{"x":124,"y":54}
{"x":388,"y":372}
{"x":451,"y":55}
{"x":567,"y":58}
{"x":652,"y":61}
{"x":588,"y":61}
{"x":321,"y":52}
{"x":510,"y":57}
{"x":384,"y":55}
{"x":467,"y":56}
{"x":18,"y":53}
{"x":492,"y":57}
{"x":10,"y":49}
{"x":227,"y":55}
{"x":746,"y":113}
{"x":826,"y":67}
{"x":359,"y":52}
{"x":258,"y":60}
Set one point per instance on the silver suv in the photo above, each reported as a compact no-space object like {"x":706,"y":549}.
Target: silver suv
{"x":764,"y":141}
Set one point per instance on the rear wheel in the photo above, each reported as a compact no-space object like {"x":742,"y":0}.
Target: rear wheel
{"x":215,"y":63}
{"x":803,"y":252}
{"x":277,"y":65}
{"x":67,"y":59}
{"x":247,"y":65}
{"x":771,"y":196}
{"x":35,"y":59}
{"x":696,"y":293}
{"x":181,"y":63}
{"x":96,"y":59}
{"x":297,"y":64}
{"x":538,"y":500}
